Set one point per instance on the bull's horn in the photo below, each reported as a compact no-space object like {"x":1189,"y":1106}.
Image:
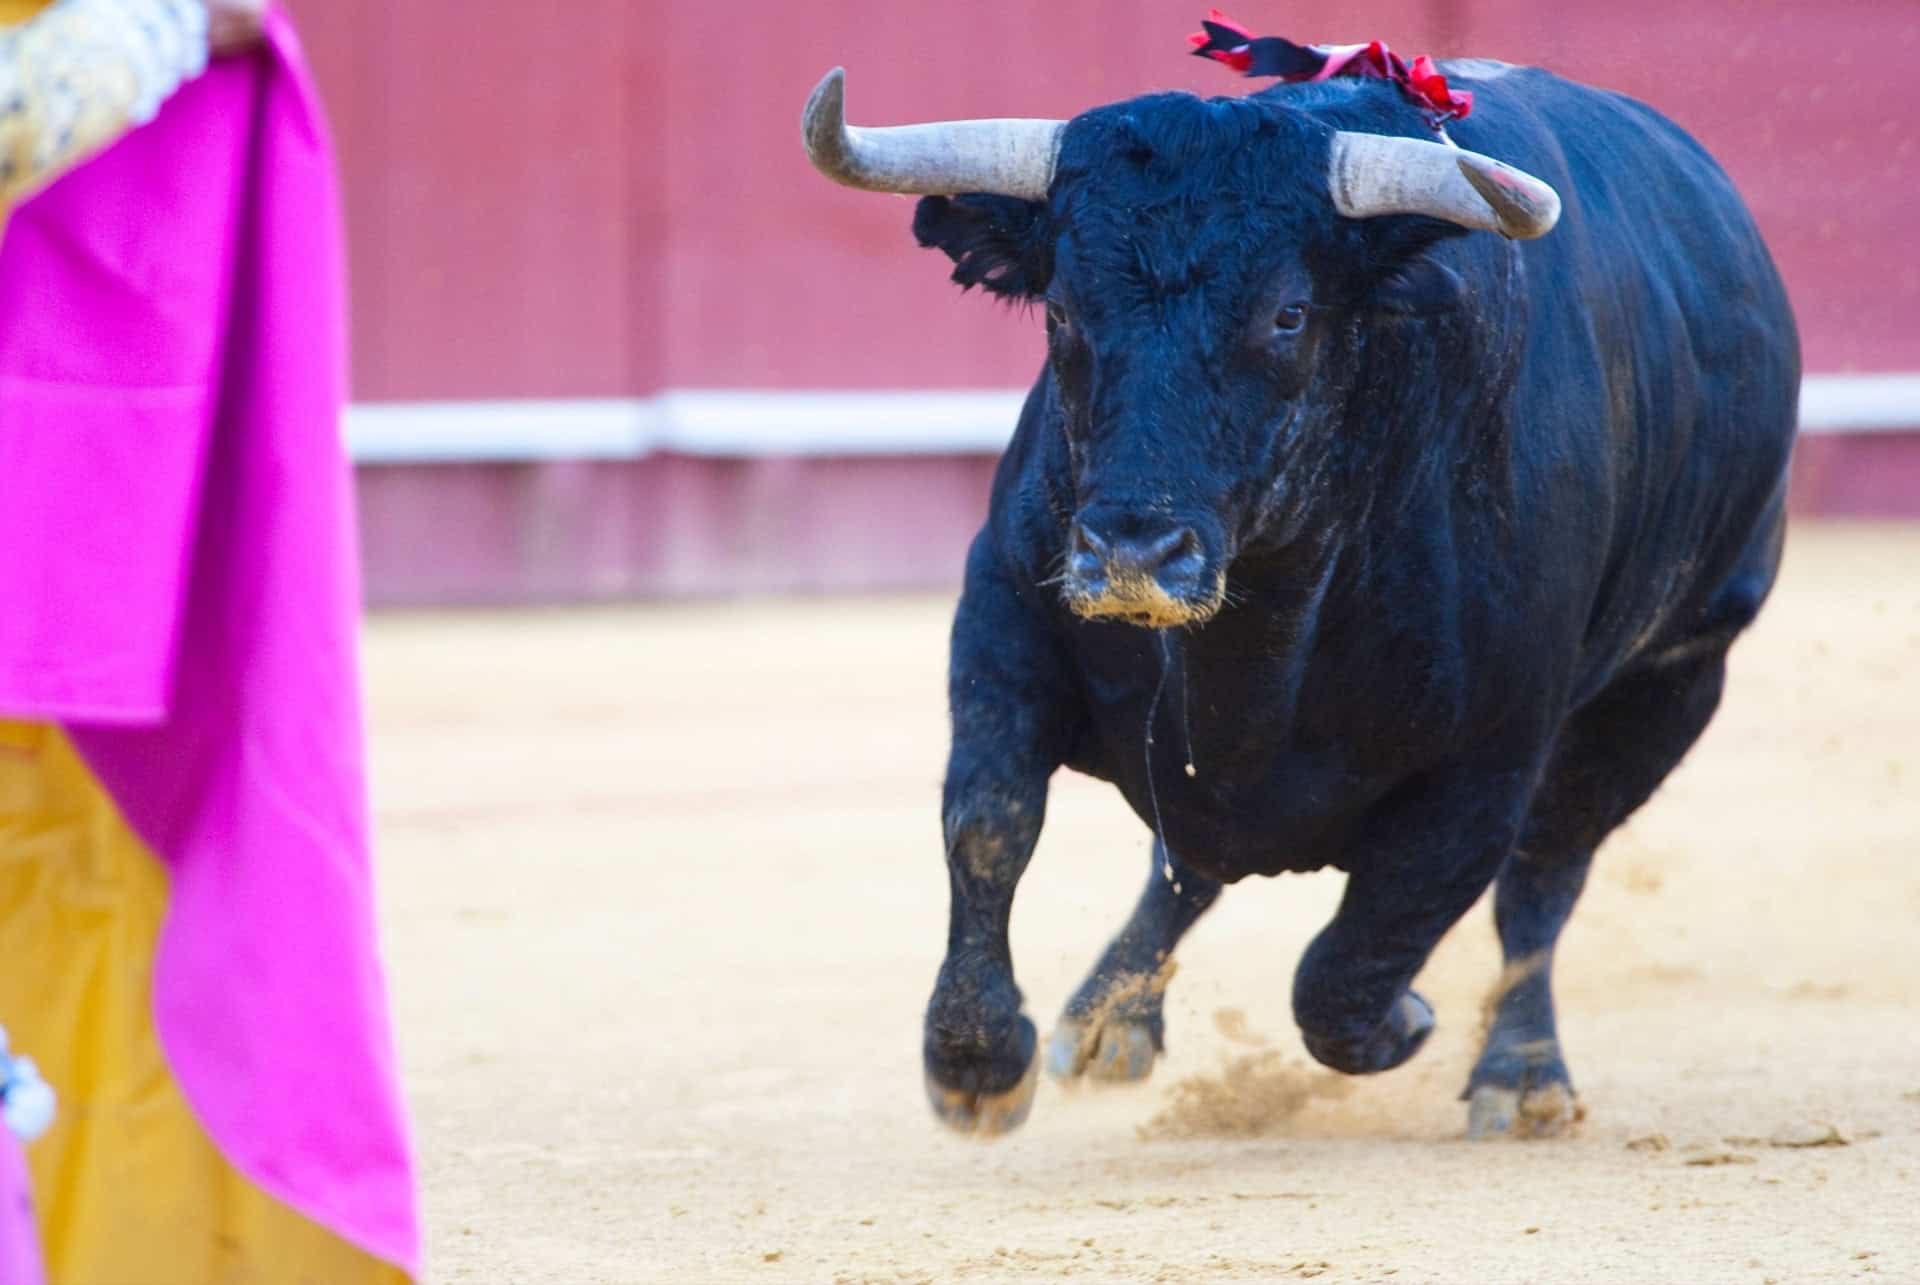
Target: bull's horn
{"x":1008,"y":157}
{"x":1375,"y":174}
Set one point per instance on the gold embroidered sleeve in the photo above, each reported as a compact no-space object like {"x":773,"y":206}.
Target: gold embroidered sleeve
{"x":82,"y":73}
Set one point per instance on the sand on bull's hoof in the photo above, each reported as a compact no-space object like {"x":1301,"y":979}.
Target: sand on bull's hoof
{"x":1252,"y":1095}
{"x":1131,"y":986}
{"x":1121,"y":990}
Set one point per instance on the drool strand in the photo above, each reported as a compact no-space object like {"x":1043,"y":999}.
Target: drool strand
{"x":1153,"y":793}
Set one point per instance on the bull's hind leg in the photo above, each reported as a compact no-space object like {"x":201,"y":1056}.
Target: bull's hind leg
{"x":1611,"y":756}
{"x":1520,"y":1086}
{"x":1113,"y":1027}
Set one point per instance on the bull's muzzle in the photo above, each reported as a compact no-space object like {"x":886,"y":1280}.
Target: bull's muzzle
{"x":1153,"y":574}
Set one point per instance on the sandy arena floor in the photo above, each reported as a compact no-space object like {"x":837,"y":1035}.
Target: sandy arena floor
{"x":664,"y":900}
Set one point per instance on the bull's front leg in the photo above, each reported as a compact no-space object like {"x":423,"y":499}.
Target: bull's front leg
{"x":979,"y":1043}
{"x":1114,"y":1027}
{"x":1012,"y":724}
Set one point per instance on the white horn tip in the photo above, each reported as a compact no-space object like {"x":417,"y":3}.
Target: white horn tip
{"x":824,"y":120}
{"x":1526,"y":207}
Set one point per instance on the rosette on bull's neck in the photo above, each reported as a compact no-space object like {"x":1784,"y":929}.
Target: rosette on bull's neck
{"x":1232,"y":45}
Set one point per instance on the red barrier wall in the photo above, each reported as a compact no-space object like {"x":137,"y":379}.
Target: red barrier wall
{"x":602,"y":198}
{"x":607,"y":198}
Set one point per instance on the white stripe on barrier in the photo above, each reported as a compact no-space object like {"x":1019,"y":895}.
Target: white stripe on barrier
{"x":1860,"y":403}
{"x":720,"y":423}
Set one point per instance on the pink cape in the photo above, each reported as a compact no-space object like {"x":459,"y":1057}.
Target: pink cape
{"x":179,"y":588}
{"x":19,"y":1242}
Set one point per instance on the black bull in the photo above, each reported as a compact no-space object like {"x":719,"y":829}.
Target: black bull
{"x":1439,"y":538}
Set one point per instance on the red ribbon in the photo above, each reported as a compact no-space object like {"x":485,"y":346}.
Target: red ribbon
{"x":1233,"y":45}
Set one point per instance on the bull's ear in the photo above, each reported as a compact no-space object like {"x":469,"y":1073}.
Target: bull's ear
{"x":1420,"y":287}
{"x":1410,"y":281}
{"x":999,"y":243}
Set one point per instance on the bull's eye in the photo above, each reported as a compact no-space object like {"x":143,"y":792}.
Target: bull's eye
{"x":1289,"y":318}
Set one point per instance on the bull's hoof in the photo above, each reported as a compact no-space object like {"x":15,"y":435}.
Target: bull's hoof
{"x":1389,"y":1045}
{"x":1116,"y":1051}
{"x":985,"y":1115}
{"x":1549,"y":1112}
{"x":1522,"y":1091}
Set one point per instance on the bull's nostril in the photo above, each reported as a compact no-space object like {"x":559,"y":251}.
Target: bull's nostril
{"x":1183,"y":563}
{"x":1087,"y":543}
{"x":1086,"y":559}
{"x":1171,"y":548}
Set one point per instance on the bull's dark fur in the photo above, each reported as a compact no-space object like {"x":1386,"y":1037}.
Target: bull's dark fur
{"x":1488,"y":525}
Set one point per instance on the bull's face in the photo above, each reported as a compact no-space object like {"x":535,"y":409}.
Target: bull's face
{"x":1193,"y":346}
{"x":1211,"y":290}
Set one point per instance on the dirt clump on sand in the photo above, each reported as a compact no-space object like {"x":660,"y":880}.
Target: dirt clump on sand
{"x":1232,"y":1023}
{"x":1253,"y":1095}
